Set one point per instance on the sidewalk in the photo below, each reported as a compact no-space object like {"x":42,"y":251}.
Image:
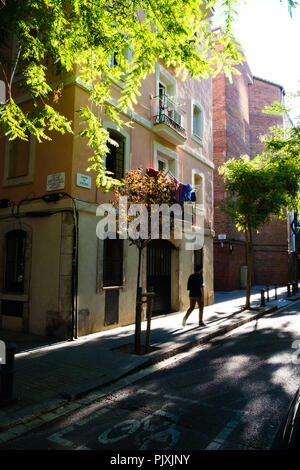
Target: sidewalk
{"x":49,"y":376}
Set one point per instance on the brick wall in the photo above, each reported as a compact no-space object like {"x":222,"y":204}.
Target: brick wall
{"x":238,"y":122}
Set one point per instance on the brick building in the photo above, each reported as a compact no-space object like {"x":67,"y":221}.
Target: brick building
{"x":238,"y":122}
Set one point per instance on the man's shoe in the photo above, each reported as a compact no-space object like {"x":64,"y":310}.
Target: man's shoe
{"x":202,"y":323}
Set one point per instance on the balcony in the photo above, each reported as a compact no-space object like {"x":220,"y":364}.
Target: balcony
{"x":168,"y":122}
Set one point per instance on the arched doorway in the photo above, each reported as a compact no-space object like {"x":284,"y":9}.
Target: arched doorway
{"x":159,"y":275}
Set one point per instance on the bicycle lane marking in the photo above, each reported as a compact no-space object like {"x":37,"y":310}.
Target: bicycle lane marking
{"x":58,"y":438}
{"x":129,"y":426}
{"x":163,"y":431}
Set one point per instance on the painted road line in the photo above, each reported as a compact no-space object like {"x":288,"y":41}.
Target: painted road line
{"x":222,"y":436}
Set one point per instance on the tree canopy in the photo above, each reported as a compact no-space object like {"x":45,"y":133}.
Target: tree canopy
{"x":89,"y":39}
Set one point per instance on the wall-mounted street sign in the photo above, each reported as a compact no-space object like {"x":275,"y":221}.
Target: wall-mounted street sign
{"x":84,"y":181}
{"x":221,"y":236}
{"x":56,"y":181}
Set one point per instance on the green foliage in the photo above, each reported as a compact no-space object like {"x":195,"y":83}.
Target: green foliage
{"x":14,"y":123}
{"x":291,"y":4}
{"x":79,"y":38}
{"x":266,"y":186}
{"x":141,"y":188}
{"x":276,"y":108}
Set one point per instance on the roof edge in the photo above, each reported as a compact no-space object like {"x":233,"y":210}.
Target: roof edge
{"x":271,"y":83}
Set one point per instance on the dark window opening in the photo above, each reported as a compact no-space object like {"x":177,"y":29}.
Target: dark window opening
{"x":198,"y":258}
{"x":19,"y":153}
{"x":15,"y":261}
{"x":12,"y":308}
{"x":116,"y":156}
{"x":113,"y":263}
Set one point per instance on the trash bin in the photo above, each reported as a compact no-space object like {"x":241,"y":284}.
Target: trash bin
{"x":7,"y":371}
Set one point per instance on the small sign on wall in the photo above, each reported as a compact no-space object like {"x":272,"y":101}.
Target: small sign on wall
{"x":222,"y":236}
{"x":56,"y":181}
{"x":84,"y":181}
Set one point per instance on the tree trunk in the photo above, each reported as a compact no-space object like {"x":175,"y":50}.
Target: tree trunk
{"x":248,"y":236}
{"x":138,"y":308}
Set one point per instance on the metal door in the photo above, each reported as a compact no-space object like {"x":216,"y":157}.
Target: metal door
{"x":111,"y":306}
{"x":159,"y":275}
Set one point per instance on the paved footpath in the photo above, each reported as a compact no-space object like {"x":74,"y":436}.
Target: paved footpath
{"x":52,"y":379}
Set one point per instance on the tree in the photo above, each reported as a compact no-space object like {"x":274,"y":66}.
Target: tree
{"x":142,"y":189}
{"x":89,"y":39}
{"x":260,"y":189}
{"x":282,"y":148}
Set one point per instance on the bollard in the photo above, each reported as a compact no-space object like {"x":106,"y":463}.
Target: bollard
{"x":7,"y":376}
{"x":262,"y":300}
{"x":289,"y":290}
{"x":268,"y":297}
{"x":275,"y":292}
{"x":150,"y":296}
{"x":293,"y":288}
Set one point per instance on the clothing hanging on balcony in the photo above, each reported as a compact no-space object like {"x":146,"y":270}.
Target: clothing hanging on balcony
{"x":180,"y":194}
{"x":187,"y":189}
{"x":183,"y":193}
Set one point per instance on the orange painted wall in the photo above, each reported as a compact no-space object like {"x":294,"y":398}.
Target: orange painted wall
{"x":53,"y":156}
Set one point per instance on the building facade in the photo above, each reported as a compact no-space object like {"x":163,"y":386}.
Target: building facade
{"x":238,"y":122}
{"x":56,"y":275}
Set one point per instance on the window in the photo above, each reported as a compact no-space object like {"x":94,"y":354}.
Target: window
{"x":112,"y":263}
{"x":15,"y":241}
{"x":113,"y":60}
{"x":162,"y":164}
{"x":122,"y":61}
{"x":198,"y":258}
{"x":198,"y":186}
{"x":18,"y":158}
{"x":115,"y":159}
{"x":164,"y":158}
{"x":198,"y":122}
{"x":19,"y":163}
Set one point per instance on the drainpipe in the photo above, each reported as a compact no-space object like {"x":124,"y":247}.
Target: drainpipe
{"x":75,"y":274}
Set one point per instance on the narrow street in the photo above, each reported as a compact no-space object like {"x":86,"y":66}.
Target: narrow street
{"x":229,"y":395}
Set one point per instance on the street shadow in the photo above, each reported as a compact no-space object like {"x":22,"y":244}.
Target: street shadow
{"x":247,"y":378}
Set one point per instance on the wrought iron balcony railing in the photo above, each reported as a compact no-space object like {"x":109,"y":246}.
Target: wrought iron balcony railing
{"x":165,"y":111}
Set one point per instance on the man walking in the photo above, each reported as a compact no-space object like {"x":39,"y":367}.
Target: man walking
{"x":195,"y":286}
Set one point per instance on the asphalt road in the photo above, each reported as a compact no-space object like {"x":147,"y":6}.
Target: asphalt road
{"x":230,"y":394}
